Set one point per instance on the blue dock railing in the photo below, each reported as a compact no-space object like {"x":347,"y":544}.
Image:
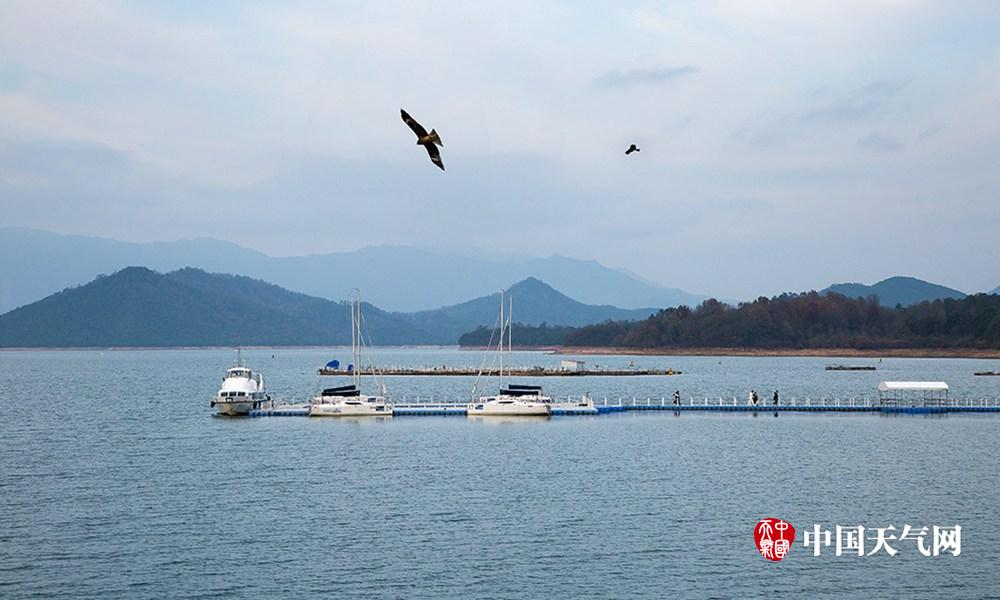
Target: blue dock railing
{"x":429,"y":406}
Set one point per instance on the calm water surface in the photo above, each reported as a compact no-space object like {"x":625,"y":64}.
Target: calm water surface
{"x":116,"y":481}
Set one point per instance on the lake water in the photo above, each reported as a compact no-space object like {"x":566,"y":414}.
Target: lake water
{"x":117,"y":481}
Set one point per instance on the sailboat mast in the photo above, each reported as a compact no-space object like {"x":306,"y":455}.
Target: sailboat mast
{"x":510,"y":337}
{"x":357,"y":326}
{"x":354,"y":343}
{"x":502,"y":325}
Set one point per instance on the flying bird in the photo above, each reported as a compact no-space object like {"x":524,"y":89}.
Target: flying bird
{"x":430,"y":141}
{"x":631,"y":149}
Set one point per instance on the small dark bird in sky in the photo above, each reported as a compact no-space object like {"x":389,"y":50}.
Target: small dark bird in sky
{"x":631,"y":149}
{"x":427,"y":140}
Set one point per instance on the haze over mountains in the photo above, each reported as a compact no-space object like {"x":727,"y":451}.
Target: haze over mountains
{"x":904,"y":291}
{"x":397,"y":280}
{"x":189,"y":307}
{"x":34,"y":264}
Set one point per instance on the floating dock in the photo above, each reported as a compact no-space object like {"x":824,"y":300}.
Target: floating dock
{"x":418,"y":409}
{"x":282,"y":410}
{"x":606,"y":406}
{"x":516,"y":372}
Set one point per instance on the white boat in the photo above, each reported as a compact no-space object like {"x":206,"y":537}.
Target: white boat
{"x":348,"y":400}
{"x":513,"y":400}
{"x":242,"y":391}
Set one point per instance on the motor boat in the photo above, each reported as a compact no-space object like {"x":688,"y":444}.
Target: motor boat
{"x":242,"y":391}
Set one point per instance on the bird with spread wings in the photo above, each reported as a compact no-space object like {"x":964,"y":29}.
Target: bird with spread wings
{"x":429,"y":141}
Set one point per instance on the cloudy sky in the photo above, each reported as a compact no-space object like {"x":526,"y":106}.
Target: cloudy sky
{"x":785,"y":144}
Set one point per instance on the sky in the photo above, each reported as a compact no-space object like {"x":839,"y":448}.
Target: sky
{"x":785,"y":145}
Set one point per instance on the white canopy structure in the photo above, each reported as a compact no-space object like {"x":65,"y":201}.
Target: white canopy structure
{"x":918,"y":386}
{"x":928,"y":393}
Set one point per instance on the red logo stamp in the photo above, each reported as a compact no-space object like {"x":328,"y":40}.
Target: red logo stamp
{"x":774,"y":538}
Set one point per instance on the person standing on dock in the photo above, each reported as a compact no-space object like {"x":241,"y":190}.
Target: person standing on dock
{"x":677,"y":397}
{"x":775,"y":398}
{"x":753,"y":397}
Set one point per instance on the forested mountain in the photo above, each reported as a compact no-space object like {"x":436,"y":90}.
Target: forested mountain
{"x":189,"y":307}
{"x":139,"y":307}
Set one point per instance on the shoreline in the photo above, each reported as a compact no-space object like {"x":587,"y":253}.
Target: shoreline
{"x":800,"y":352}
{"x":596,"y":350}
{"x":128,"y":348}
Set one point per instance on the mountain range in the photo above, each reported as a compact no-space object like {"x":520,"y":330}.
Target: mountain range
{"x":34,"y":264}
{"x":904,"y":291}
{"x":189,"y":307}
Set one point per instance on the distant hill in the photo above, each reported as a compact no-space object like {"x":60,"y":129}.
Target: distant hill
{"x":34,"y":264}
{"x":897,"y":290}
{"x":139,"y":307}
{"x":189,"y":307}
{"x":535,"y":302}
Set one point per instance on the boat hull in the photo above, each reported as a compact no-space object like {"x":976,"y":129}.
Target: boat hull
{"x":512,"y":409}
{"x":342,"y":409}
{"x":234,"y":409}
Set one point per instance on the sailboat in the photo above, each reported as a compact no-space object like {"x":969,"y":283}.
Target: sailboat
{"x":513,"y":400}
{"x":348,"y":400}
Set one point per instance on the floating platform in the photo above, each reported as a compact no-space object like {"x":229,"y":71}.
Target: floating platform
{"x":516,"y":372}
{"x":572,"y":408}
{"x":987,"y":373}
{"x":429,"y":409}
{"x":849,"y":368}
{"x":444,"y":409}
{"x":282,"y":410}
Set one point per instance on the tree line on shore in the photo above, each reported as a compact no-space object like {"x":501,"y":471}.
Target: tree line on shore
{"x":794,"y":321}
{"x":524,"y":335}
